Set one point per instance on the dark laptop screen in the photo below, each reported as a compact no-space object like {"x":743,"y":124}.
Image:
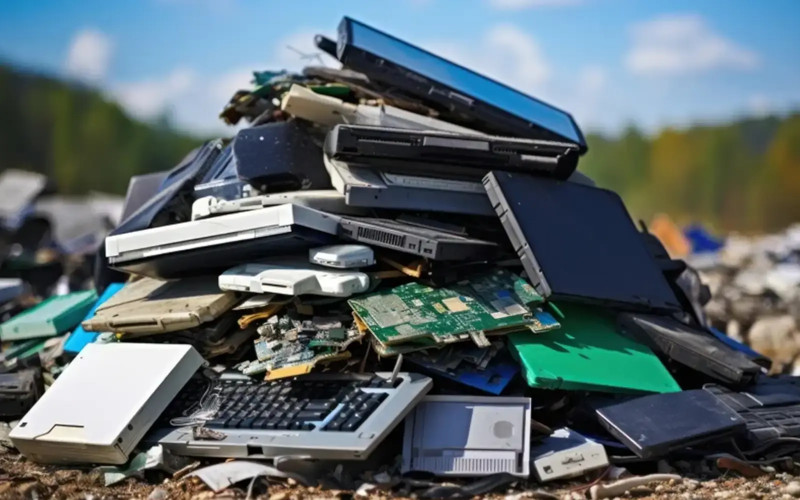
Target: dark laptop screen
{"x":462,"y":80}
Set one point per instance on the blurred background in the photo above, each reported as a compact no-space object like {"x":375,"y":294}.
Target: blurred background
{"x":691,"y":108}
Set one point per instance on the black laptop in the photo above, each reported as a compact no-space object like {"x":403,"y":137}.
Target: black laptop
{"x":461,"y":95}
{"x":697,"y":349}
{"x":653,"y":426}
{"x":416,"y":239}
{"x":449,"y":154}
{"x":577,"y":243}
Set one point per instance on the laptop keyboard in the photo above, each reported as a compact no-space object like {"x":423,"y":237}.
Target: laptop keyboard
{"x":339,"y":404}
{"x":767,"y":416}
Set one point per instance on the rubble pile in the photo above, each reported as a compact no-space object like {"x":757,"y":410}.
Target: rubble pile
{"x":755,"y":293}
{"x":391,"y":281}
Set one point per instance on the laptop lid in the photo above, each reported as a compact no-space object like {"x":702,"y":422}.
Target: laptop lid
{"x":577,"y":243}
{"x":448,"y":86}
{"x":588,"y":353}
{"x":675,"y":420}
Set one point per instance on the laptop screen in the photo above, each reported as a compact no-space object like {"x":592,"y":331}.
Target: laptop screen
{"x":462,"y":80}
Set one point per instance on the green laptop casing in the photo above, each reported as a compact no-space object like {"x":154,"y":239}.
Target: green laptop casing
{"x":54,"y":316}
{"x":589,"y":354}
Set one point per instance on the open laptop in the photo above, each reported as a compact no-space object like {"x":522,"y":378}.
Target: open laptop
{"x":448,"y":154}
{"x":577,"y":243}
{"x":461,"y":95}
{"x":216,"y":243}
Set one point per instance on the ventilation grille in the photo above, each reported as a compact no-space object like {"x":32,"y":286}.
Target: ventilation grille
{"x":378,"y":236}
{"x":464,"y":465}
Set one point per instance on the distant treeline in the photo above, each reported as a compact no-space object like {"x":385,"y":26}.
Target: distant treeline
{"x":77,"y":137}
{"x":743,"y":176}
{"x":740,"y":176}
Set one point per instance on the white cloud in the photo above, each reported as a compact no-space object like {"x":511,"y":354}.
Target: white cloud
{"x":592,"y":79}
{"x":587,"y":99}
{"x":681,"y":44}
{"x":194,"y":99}
{"x":505,"y":53}
{"x":147,"y":98}
{"x":89,"y":56}
{"x":528,"y":4}
{"x":759,"y":105}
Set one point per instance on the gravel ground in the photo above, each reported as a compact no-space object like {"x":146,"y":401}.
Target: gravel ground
{"x":21,"y":479}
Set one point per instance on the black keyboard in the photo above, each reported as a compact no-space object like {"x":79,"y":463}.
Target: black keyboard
{"x":336,"y":403}
{"x":771,"y":410}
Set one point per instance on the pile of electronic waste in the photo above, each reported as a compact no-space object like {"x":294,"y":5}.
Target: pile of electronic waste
{"x":395,"y":258}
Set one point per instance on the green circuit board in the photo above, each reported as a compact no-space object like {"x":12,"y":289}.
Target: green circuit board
{"x":494,"y":303}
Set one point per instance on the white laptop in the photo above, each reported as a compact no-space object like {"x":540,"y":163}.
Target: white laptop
{"x":219,"y":242}
{"x":104,"y":402}
{"x":293,"y":276}
{"x":326,"y":200}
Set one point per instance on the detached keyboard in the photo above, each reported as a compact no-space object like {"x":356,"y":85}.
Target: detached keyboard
{"x":332,"y":403}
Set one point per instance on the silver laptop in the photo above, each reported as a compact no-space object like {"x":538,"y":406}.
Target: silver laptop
{"x":217,"y":243}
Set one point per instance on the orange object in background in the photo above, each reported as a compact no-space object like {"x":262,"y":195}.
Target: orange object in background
{"x":670,"y":235}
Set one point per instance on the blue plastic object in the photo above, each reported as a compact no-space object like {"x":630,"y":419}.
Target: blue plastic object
{"x":701,"y":240}
{"x":492,"y":379}
{"x":80,"y":337}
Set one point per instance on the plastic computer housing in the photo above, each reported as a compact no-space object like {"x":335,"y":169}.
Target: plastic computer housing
{"x":293,"y":277}
{"x":565,"y":453}
{"x":104,"y":403}
{"x":342,"y":256}
{"x":364,"y":186}
{"x":469,"y":436}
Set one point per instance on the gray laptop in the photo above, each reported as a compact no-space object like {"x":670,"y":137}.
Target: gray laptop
{"x":366,"y":186}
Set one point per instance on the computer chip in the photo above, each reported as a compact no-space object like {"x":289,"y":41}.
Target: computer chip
{"x":494,"y":303}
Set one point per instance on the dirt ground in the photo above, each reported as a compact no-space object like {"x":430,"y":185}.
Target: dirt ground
{"x":21,"y":479}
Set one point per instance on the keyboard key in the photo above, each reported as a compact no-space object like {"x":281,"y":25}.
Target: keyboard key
{"x":319,"y":405}
{"x":217,"y":422}
{"x":353,"y":423}
{"x":310,"y":415}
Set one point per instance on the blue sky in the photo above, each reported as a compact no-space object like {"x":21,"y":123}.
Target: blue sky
{"x":609,"y":62}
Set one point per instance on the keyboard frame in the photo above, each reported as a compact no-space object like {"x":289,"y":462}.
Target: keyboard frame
{"x":316,"y":443}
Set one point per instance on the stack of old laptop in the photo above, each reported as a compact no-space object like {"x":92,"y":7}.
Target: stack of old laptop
{"x":391,"y":227}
